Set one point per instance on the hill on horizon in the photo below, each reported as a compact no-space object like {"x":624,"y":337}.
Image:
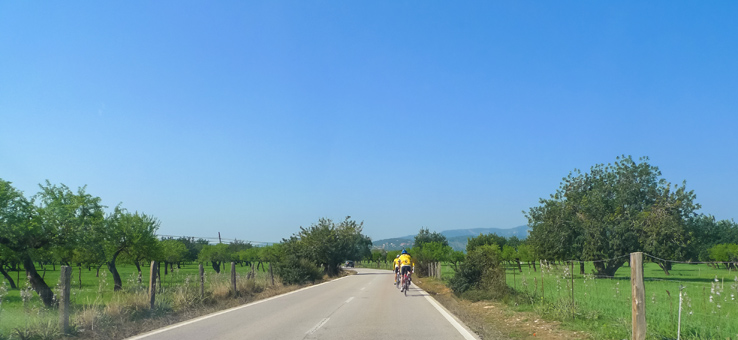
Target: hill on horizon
{"x":457,"y":238}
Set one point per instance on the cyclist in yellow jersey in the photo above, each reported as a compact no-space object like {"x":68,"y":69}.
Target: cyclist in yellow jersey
{"x":397,"y":267}
{"x":407,"y":265}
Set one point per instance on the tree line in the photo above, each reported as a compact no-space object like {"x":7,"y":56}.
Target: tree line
{"x":59,"y":225}
{"x":620,"y":208}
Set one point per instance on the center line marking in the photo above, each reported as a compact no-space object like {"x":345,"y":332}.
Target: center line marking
{"x":320,"y":324}
{"x":349,"y":299}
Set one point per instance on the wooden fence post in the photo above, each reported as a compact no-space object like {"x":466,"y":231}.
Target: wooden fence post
{"x":233,"y":279}
{"x":202,"y":281}
{"x":271,"y":273}
{"x":439,"y":270}
{"x":638,"y":292}
{"x":572,"y":289}
{"x":66,"y":285}
{"x":543,"y":291}
{"x":152,"y":283}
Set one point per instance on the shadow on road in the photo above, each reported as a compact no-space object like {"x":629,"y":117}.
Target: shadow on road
{"x":416,"y":292}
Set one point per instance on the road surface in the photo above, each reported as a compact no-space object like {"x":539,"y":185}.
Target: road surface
{"x":362,"y":306}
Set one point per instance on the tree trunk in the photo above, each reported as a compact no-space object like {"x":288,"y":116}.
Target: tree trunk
{"x":666,"y":266}
{"x":519,"y":267}
{"x":116,"y":276}
{"x":534,"y":266}
{"x":97,"y":274}
{"x":581,"y":267}
{"x":38,"y":284}
{"x":608,"y":268}
{"x":138,"y":267}
{"x":216,"y":266}
{"x":7,"y":277}
{"x":166,"y":268}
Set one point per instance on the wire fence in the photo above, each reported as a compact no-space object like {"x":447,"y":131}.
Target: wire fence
{"x":572,"y":290}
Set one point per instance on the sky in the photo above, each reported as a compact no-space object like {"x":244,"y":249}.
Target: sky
{"x":253,"y":118}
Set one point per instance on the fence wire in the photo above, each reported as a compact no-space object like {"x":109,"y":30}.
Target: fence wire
{"x":709,"y":295}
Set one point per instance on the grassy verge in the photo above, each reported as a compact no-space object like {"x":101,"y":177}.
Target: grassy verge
{"x":602,"y":306}
{"x":495,"y":320}
{"x":100,"y":313}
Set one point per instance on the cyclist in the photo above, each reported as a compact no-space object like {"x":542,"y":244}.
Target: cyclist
{"x":397,"y":267}
{"x":407,"y":265}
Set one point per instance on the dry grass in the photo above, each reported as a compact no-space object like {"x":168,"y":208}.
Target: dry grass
{"x":174,"y":305}
{"x":494,"y":320}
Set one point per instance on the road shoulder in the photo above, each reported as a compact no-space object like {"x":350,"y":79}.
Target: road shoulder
{"x":495,"y":320}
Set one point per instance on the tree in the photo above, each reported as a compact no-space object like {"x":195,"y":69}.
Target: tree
{"x":611,"y":211}
{"x":425,"y":236}
{"x":172,"y":251}
{"x":7,"y":256}
{"x":215,"y":254}
{"x":727,"y":253}
{"x":133,"y":233}
{"x":53,"y":226}
{"x":328,"y":245}
{"x":488,"y":239}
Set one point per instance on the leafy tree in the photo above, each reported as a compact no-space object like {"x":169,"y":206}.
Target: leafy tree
{"x":193,"y":247}
{"x":392,"y":254}
{"x":133,"y":233}
{"x":172,"y":251}
{"x":611,"y":211}
{"x":52,"y":226}
{"x":455,"y":258}
{"x":6,"y":257}
{"x":328,"y":244}
{"x":238,"y":245}
{"x":527,"y":254}
{"x":425,"y":236}
{"x":482,"y":239}
{"x":215,"y":254}
{"x":428,"y":253}
{"x":725,"y":253}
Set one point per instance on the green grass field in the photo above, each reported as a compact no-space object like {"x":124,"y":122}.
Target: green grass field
{"x":603,"y":306}
{"x":17,"y":312}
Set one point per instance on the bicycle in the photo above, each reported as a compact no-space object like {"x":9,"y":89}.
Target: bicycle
{"x":406,"y":282}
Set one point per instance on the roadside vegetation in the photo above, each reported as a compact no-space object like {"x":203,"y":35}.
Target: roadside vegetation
{"x":582,"y":236}
{"x":110,"y":254}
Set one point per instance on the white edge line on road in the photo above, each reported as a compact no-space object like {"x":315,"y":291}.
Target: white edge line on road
{"x":184,"y":323}
{"x":349,"y":299}
{"x":320,"y":324}
{"x":464,"y":332}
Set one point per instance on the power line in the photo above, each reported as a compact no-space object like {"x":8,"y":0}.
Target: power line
{"x":216,"y":239}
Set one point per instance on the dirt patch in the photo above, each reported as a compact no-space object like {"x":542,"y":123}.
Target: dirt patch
{"x":495,"y":320}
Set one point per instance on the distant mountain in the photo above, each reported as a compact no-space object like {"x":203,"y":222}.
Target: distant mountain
{"x":457,"y":238}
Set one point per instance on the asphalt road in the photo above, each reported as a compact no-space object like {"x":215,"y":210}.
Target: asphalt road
{"x":362,"y":306}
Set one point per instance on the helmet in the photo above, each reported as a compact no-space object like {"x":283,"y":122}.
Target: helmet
{"x":398,"y":255}
{"x":404,"y":251}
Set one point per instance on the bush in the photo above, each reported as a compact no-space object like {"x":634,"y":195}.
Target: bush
{"x":298,"y":271}
{"x":481,"y":276}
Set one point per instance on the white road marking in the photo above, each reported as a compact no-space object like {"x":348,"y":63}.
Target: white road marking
{"x":464,"y":332}
{"x":161,"y":330}
{"x":320,"y":324}
{"x":349,"y":299}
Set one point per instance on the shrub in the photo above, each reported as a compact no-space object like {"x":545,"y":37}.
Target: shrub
{"x":298,"y":271}
{"x":481,"y":276}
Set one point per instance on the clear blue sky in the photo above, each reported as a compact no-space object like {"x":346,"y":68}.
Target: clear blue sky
{"x":253,"y":118}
